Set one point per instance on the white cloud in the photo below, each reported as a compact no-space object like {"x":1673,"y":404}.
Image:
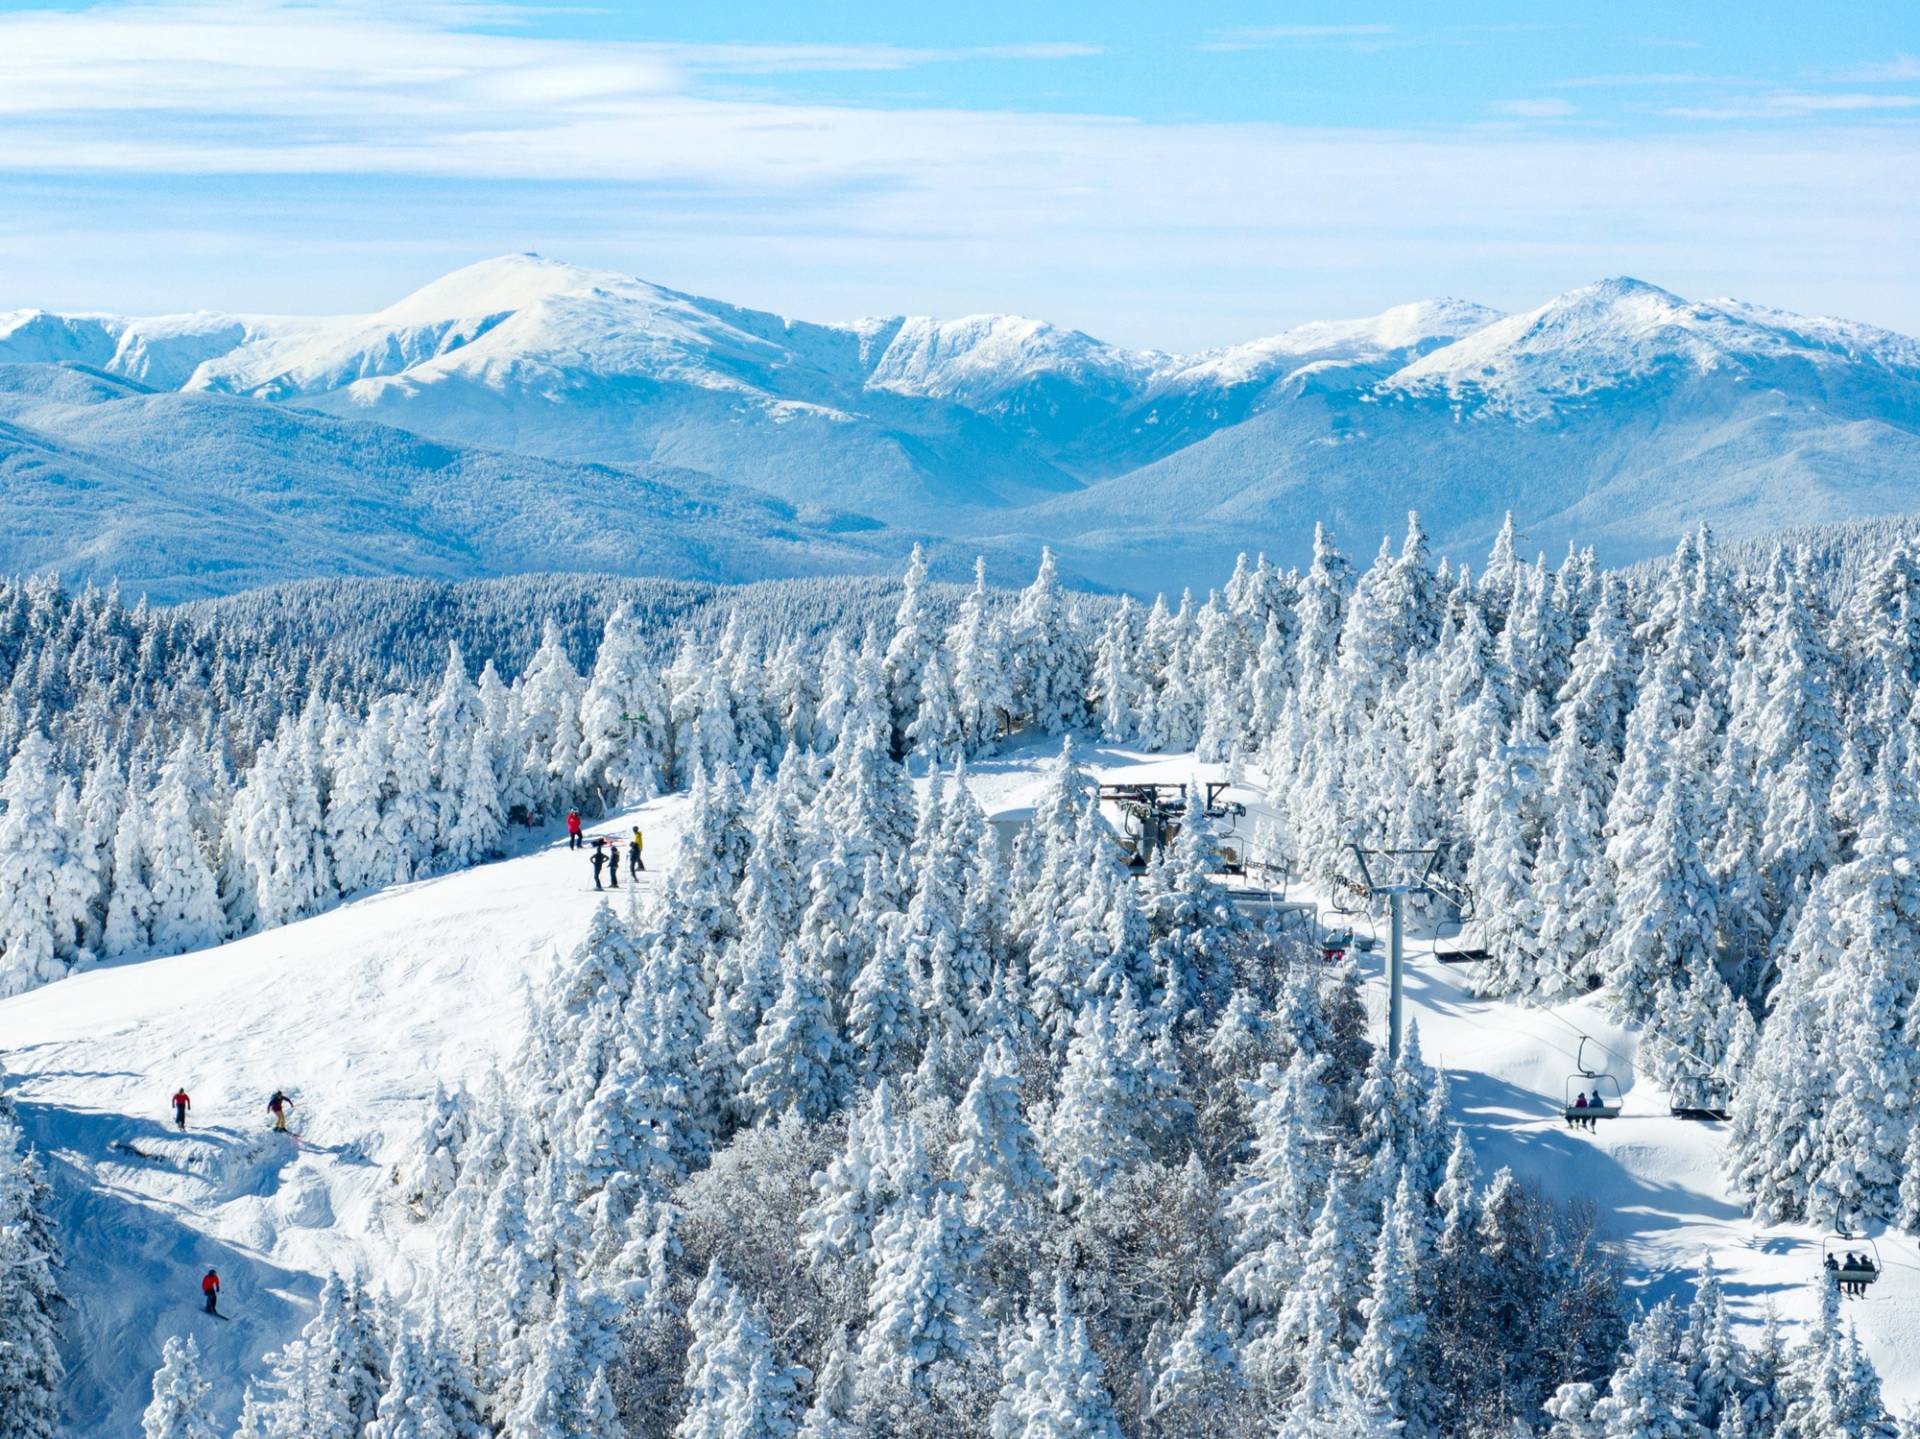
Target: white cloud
{"x":1173,"y":233}
{"x":1541,"y":109}
{"x":1900,"y":67}
{"x":1788,"y":104}
{"x":1263,"y":37}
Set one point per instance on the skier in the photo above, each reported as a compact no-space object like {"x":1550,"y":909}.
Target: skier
{"x":181,"y":1104}
{"x":210,"y":1286}
{"x":634,"y":846}
{"x":573,"y":829}
{"x":599,"y":861}
{"x":279,"y":1105}
{"x":613,"y":863}
{"x":1579,"y":1120}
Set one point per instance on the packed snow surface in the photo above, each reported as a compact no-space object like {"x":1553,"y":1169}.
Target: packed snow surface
{"x":358,"y":1012}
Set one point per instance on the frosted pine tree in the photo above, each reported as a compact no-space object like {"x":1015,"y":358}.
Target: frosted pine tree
{"x":186,"y":910}
{"x":1199,"y":1381}
{"x":1384,"y":1369}
{"x":412,"y":1406}
{"x":45,"y":884}
{"x":922,"y":1312}
{"x":995,"y":1155}
{"x":1117,"y":682}
{"x":1649,"y":1397}
{"x":181,"y":1407}
{"x":735,"y":1386}
{"x":915,"y":640}
{"x":1271,"y":1206}
{"x":982,"y":681}
{"x":129,"y":926}
{"x":276,"y":839}
{"x":1855,"y":1167}
{"x":1047,"y":663}
{"x":882,"y":1164}
{"x":885,"y":1025}
{"x":546,"y":702}
{"x":1667,"y":916}
{"x":30,"y":1365}
{"x":1320,"y":612}
{"x":476,"y":821}
{"x":1796,"y":753}
{"x":936,"y":732}
{"x":1052,"y":1383}
{"x":624,"y":719}
{"x":1097,"y":1127}
{"x":452,"y":718}
{"x":565,"y":1391}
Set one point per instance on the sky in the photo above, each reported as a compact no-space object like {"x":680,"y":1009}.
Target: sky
{"x":1157,"y":175}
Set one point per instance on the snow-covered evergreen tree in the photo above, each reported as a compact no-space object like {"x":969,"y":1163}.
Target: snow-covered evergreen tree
{"x":181,"y":1395}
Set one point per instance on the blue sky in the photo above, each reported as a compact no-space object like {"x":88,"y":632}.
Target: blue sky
{"x":1157,"y":175}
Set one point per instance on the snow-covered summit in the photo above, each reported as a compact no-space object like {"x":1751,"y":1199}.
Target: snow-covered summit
{"x":975,"y":359}
{"x":1403,"y":330}
{"x":1621,"y":332}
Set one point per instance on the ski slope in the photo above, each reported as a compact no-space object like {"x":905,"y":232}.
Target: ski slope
{"x":359,"y":1011}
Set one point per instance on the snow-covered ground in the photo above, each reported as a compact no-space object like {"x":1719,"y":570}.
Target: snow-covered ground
{"x":358,"y":1012}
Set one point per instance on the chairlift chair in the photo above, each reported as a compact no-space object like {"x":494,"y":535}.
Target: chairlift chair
{"x":1850,"y":1258}
{"x":1603,"y":1096}
{"x":1601,"y":1089}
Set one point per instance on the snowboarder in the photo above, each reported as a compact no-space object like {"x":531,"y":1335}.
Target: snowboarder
{"x":634,"y":846}
{"x":279,"y":1105}
{"x":210,"y":1286}
{"x":181,"y":1104}
{"x":573,"y":829}
{"x":599,"y":861}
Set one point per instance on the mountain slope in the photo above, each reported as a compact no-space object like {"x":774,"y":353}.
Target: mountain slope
{"x":549,"y":359}
{"x":1617,"y":413}
{"x":182,"y":496}
{"x":358,"y":1012}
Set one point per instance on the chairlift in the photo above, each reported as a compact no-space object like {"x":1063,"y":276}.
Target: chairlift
{"x":1851,"y":1260}
{"x":1600,"y":1089}
{"x":1602,"y":1093}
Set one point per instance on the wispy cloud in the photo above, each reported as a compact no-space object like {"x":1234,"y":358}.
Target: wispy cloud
{"x":1656,"y":78}
{"x":1544,"y":108}
{"x":384,"y":128}
{"x":1900,"y":67}
{"x":1792,"y":104}
{"x":1266,"y":37}
{"x":760,"y":59}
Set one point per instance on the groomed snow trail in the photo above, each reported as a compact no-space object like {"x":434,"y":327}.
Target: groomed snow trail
{"x":1656,"y":1179}
{"x":357,"y":1012}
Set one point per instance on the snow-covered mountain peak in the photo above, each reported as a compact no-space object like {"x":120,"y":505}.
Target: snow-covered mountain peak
{"x":1401,"y":331}
{"x":1621,"y":332}
{"x":976,"y":357}
{"x":506,"y":284}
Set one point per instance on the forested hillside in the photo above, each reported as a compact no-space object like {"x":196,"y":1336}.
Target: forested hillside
{"x":855,"y":1125}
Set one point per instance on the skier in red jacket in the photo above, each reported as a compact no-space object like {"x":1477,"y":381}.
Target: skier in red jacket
{"x":210,"y":1286}
{"x":573,"y":829}
{"x":181,"y":1104}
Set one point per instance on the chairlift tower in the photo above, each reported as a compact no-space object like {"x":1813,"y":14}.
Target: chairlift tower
{"x":1428,"y":859}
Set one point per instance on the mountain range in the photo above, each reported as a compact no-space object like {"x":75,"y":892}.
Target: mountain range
{"x":522,"y":413}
